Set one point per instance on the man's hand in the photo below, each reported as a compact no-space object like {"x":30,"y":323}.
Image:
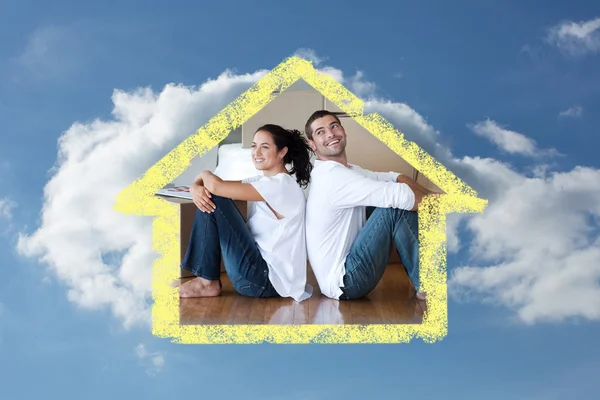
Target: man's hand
{"x":201,"y":197}
{"x":417,"y":189}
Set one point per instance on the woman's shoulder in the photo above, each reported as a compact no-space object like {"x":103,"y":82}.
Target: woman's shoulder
{"x":283,"y":179}
{"x":293,"y":184}
{"x":289,"y":190}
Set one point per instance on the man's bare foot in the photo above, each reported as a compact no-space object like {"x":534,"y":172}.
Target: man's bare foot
{"x":200,"y":287}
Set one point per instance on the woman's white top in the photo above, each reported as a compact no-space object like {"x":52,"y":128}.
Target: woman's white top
{"x":282,"y":242}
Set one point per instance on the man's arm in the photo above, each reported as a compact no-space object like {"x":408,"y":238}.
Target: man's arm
{"x":378,"y":176}
{"x":347,"y":188}
{"x":418,"y":190}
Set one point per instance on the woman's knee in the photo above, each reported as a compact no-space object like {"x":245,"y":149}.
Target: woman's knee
{"x":222,"y":202}
{"x":219,"y":199}
{"x":201,"y":215}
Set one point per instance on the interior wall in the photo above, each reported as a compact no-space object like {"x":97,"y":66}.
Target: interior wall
{"x":235,"y":136}
{"x":292,"y":108}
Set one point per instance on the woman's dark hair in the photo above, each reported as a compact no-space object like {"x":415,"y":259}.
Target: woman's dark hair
{"x":298,"y":153}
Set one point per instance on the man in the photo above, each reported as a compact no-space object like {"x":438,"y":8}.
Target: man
{"x":347,"y":252}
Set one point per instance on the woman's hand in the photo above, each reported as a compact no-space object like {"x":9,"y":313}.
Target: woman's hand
{"x":201,"y":197}
{"x":210,"y":181}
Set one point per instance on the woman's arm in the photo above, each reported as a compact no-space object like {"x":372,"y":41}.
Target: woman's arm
{"x":201,"y":196}
{"x":230,"y":189}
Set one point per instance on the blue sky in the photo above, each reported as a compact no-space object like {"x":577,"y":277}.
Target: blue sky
{"x":456,"y":66}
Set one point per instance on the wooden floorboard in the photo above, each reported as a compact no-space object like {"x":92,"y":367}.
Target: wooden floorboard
{"x":392,"y":302}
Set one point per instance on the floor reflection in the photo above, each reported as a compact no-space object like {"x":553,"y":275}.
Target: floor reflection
{"x":392,"y":302}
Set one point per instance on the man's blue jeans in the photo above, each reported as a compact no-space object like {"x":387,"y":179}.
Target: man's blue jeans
{"x":224,"y":232}
{"x":370,"y":252}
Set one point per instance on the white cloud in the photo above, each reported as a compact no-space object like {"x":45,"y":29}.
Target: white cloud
{"x":56,"y":51}
{"x":154,"y":362}
{"x":309,"y":55}
{"x":510,"y":141}
{"x":359,"y":86}
{"x":575,"y":111}
{"x":576,"y":38}
{"x":536,"y":249}
{"x":355,"y":83}
{"x":103,"y":257}
{"x":6,"y":207}
{"x":333,"y":72}
{"x":79,"y":229}
{"x":534,"y":235}
{"x":406,"y":119}
{"x":64,"y":52}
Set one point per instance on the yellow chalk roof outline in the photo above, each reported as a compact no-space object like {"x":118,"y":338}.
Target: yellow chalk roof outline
{"x":139,"y":199}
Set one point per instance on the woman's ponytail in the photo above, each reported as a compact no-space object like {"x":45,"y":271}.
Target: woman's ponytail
{"x":298,"y":154}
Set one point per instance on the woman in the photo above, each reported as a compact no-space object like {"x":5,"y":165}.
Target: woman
{"x":267,"y":256}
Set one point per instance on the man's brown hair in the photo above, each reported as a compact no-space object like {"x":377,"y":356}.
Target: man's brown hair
{"x":315,"y":116}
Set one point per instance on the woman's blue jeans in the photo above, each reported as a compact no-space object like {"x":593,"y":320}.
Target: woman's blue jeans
{"x":225,"y":233}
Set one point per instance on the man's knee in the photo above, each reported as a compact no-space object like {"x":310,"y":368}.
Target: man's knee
{"x":359,"y":283}
{"x":392,"y":213}
{"x":396,"y":216}
{"x":398,"y":213}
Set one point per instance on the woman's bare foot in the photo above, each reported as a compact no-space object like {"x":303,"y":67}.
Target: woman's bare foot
{"x":200,"y":287}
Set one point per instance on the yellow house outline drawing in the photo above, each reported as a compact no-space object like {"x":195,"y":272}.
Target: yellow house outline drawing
{"x":139,"y":199}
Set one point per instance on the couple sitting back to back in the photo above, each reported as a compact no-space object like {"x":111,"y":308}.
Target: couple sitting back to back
{"x":346,"y":228}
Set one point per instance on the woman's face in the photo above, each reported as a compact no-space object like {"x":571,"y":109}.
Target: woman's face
{"x":264,"y":152}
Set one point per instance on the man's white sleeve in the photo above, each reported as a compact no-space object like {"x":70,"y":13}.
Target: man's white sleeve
{"x":349,"y":188}
{"x":379,"y":176}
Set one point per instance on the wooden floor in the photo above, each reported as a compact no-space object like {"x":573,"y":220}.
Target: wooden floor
{"x":392,"y":302}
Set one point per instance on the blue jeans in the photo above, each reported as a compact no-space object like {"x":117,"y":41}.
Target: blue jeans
{"x":225,"y":233}
{"x":370,"y":252}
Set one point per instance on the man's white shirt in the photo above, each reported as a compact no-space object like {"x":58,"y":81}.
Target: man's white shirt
{"x":336,"y":212}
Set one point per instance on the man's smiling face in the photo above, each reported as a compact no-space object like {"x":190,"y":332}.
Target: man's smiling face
{"x":328,"y":138}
